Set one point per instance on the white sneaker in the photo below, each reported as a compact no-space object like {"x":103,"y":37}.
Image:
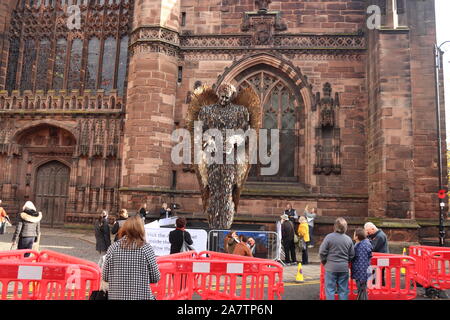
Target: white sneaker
{"x":310,"y":246}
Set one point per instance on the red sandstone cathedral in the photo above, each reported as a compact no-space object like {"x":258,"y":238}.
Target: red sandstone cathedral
{"x":87,"y":110}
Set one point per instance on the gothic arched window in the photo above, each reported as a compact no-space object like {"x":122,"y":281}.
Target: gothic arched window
{"x":60,"y":60}
{"x":75,"y":64}
{"x":123,"y":62}
{"x":92,"y":64}
{"x":280,"y":110}
{"x":13,"y":55}
{"x":46,"y":52}
{"x":26,"y":80}
{"x":45,"y":48}
{"x":109,"y":60}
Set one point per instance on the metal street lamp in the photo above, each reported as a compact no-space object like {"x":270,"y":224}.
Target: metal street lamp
{"x":438,"y":58}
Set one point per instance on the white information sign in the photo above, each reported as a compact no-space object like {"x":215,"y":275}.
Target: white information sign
{"x":159,"y":239}
{"x":30,"y":273}
{"x":383,"y":262}
{"x":168,"y":221}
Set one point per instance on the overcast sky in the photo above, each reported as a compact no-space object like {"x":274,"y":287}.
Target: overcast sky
{"x":443,"y":34}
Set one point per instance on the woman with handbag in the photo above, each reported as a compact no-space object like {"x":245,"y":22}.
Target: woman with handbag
{"x":130,"y":264}
{"x":179,"y":236}
{"x":28,"y":229}
{"x":303,"y":232}
{"x":102,"y":236}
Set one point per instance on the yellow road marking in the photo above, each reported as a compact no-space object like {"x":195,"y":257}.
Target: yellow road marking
{"x":289,"y":284}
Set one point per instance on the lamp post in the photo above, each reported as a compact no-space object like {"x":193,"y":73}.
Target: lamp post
{"x":438,"y":53}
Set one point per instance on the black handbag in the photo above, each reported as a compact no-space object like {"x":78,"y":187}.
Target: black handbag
{"x":185,"y":246}
{"x":99,"y":295}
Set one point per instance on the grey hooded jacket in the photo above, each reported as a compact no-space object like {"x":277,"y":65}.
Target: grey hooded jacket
{"x":28,"y":224}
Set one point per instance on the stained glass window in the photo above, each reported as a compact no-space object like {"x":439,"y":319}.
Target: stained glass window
{"x":109,"y":61}
{"x":58,"y":70}
{"x":123,"y":62}
{"x":92,"y":66}
{"x":75,"y":64}
{"x":288,"y":116}
{"x":13,"y":60}
{"x":43,"y":57}
{"x":278,"y":103}
{"x":26,"y":82}
{"x":42,"y":64}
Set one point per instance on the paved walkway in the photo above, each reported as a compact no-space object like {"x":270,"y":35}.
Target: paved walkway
{"x":311,"y":271}
{"x":81,"y":243}
{"x":78,"y":243}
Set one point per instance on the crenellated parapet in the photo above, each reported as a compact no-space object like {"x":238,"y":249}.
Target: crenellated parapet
{"x":62,"y":101}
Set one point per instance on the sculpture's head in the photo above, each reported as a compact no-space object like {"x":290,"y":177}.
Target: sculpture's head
{"x":226,"y":93}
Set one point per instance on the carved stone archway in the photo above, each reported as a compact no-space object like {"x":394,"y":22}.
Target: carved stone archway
{"x":278,"y":62}
{"x":290,"y":78}
{"x":29,"y":175}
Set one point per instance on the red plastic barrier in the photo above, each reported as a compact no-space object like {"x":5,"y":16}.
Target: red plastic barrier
{"x":215,"y":276}
{"x":175,"y":282}
{"x":22,"y":279}
{"x":433,"y":266}
{"x":19,"y":255}
{"x":397,"y":286}
{"x":52,"y":256}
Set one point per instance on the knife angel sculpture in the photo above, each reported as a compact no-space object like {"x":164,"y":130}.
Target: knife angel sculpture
{"x":223,"y":123}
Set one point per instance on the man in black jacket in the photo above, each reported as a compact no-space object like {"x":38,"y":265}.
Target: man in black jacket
{"x":291,"y":213}
{"x":287,"y":239}
{"x":379,"y":243}
{"x":377,"y":237}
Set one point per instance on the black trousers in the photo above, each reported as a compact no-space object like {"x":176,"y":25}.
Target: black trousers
{"x":25,"y":243}
{"x":362,"y":290}
{"x":289,"y":251}
{"x":305,"y":255}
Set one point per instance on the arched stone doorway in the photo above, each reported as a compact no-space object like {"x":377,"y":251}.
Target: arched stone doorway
{"x":51,"y":193}
{"x":42,"y":170}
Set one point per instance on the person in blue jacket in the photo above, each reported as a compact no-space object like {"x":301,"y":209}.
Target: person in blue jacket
{"x":361,"y":262}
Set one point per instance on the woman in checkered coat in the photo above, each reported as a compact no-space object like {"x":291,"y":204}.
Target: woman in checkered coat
{"x":130,"y":264}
